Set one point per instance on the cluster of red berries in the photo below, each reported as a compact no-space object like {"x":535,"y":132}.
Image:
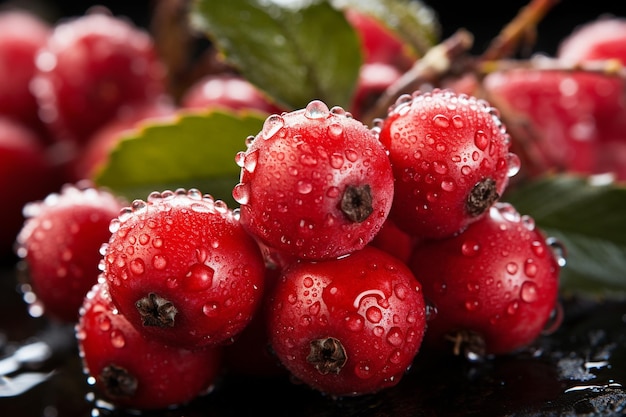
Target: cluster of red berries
{"x":352,"y":249}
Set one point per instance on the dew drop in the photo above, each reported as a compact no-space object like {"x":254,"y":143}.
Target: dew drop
{"x":511,"y":268}
{"x":558,"y":249}
{"x":272,"y":125}
{"x":250,"y":161}
{"x":538,"y":248}
{"x":363,"y":370}
{"x":457,"y":121}
{"x":447,"y":185}
{"x":335,"y":130}
{"x":316,"y":109}
{"x":528,"y":292}
{"x":373,"y":314}
{"x":336,"y":160}
{"x":210,"y":309}
{"x":472,"y":304}
{"x":117,"y":339}
{"x":470,"y":248}
{"x":514,"y":164}
{"x":199,"y":277}
{"x":354,"y":322}
{"x":530,"y":268}
{"x":394,"y":336}
{"x":159,"y":262}
{"x":304,"y":187}
{"x":137,"y":266}
{"x":481,"y":140}
{"x":512,"y":308}
{"x":441,"y":120}
{"x":241,"y":193}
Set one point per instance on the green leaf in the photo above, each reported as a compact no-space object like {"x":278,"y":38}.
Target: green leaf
{"x":587,"y":215}
{"x":197,"y":150}
{"x":295,"y":52}
{"x":412,"y":20}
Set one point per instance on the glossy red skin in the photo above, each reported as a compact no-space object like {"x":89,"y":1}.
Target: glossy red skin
{"x":437,"y":160}
{"x":574,"y":120}
{"x":226,"y":91}
{"x":26,"y":174}
{"x":600,"y":39}
{"x":293,"y":177}
{"x":193,"y":252}
{"x":368,"y":300}
{"x":499,"y":278}
{"x":166,"y":376}
{"x":90,"y":69}
{"x":22,"y":35}
{"x":395,"y":241}
{"x":60,"y":242}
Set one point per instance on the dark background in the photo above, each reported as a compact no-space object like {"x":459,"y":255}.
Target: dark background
{"x":483,"y":18}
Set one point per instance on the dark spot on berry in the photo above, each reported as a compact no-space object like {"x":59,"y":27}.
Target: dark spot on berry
{"x":156,"y":311}
{"x":118,"y":382}
{"x":482,"y":196}
{"x":327,"y":355}
{"x":356,"y":202}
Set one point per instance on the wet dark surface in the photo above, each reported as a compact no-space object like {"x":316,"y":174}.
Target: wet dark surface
{"x":579,"y":370}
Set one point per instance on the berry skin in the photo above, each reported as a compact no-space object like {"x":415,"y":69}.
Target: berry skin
{"x":600,"y":39}
{"x":22,"y":35}
{"x":60,"y":241}
{"x":227,"y":92}
{"x":92,"y":67}
{"x":564,"y":120}
{"x":22,"y":156}
{"x":315,"y":183}
{"x":451,"y":161}
{"x":374,"y":79}
{"x":347,"y":326}
{"x":183,"y":270}
{"x":494,"y":286}
{"x":133,"y":371}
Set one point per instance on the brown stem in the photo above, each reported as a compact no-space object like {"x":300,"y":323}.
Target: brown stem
{"x":429,"y":69}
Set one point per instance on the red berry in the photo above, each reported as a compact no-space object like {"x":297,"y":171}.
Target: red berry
{"x":226,"y":91}
{"x":395,"y":241}
{"x":494,"y":286}
{"x":60,"y":242}
{"x":26,"y":174}
{"x":91,"y":67}
{"x":347,"y":326}
{"x":183,"y":270}
{"x":573,"y":120}
{"x":315,"y":183}
{"x":451,"y":161}
{"x":133,"y":371}
{"x":600,"y":39}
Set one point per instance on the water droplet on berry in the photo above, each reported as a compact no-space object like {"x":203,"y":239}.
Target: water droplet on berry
{"x":538,"y":248}
{"x":514,"y":164}
{"x":555,"y":320}
{"x":250,"y":161}
{"x":512,"y":308}
{"x":441,"y":120}
{"x":530,"y":268}
{"x":447,"y":185}
{"x":457,"y":121}
{"x":470,"y":248}
{"x":472,"y":304}
{"x":440,"y":167}
{"x":511,"y":268}
{"x":481,"y":140}
{"x":395,"y":337}
{"x":316,"y":109}
{"x":137,"y":266}
{"x":210,"y":309}
{"x":528,"y":292}
{"x":304,"y":187}
{"x":271,"y":126}
{"x":199,"y":277}
{"x":373,"y":314}
{"x":363,"y":370}
{"x":117,"y":339}
{"x":241,"y":193}
{"x":159,"y":262}
{"x":104,"y":323}
{"x":351,"y":155}
{"x":336,"y":160}
{"x":335,"y":130}
{"x":558,"y":249}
